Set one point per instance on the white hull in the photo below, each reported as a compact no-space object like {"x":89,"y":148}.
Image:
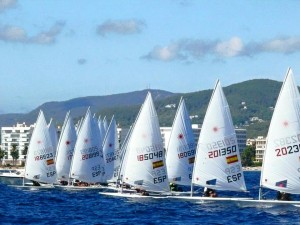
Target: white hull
{"x":130,"y":195}
{"x":78,"y":188}
{"x":31,"y":187}
{"x":264,"y":203}
{"x":208,"y":199}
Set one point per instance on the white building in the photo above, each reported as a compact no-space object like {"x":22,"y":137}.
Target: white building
{"x":19,"y":136}
{"x":260,"y":148}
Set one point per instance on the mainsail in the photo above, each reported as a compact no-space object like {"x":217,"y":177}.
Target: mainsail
{"x":111,"y":151}
{"x":87,"y":164}
{"x":40,"y":165}
{"x":218,"y":162}
{"x":53,"y":133}
{"x":65,"y":148}
{"x":181,"y":148}
{"x":281,"y":161}
{"x":144,"y":165}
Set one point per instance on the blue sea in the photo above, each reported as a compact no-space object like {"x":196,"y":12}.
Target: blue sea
{"x":89,"y":207}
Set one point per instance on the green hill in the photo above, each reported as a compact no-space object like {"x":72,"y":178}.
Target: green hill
{"x":249,"y":99}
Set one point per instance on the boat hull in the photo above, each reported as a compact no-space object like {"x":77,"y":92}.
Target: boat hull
{"x":264,"y":203}
{"x":207,"y":199}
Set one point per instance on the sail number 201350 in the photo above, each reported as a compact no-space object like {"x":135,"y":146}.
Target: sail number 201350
{"x":222,"y":152}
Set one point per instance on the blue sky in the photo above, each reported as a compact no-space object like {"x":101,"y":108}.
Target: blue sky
{"x":58,"y":50}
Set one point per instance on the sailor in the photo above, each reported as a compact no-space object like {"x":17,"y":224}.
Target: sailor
{"x":208,"y":192}
{"x":283,"y":196}
{"x":173,"y":187}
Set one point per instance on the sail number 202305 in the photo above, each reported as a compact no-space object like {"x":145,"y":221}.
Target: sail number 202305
{"x":287,"y":150}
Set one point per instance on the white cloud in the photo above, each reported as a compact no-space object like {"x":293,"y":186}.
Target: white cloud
{"x":121,"y":27}
{"x":282,"y":45}
{"x":166,"y":53}
{"x":17,"y":34}
{"x":189,"y":49}
{"x":230,"y":48}
{"x":13,"y":34}
{"x":6,"y":4}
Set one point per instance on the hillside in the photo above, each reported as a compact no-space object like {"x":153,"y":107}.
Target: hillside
{"x":253,"y":98}
{"x":78,"y":106}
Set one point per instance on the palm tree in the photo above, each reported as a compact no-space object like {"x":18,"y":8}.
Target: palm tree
{"x":2,"y":155}
{"x":14,"y":153}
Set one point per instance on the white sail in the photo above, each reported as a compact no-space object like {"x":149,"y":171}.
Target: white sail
{"x":280,"y":169}
{"x":65,"y":148}
{"x":144,"y":164}
{"x":181,"y":148}
{"x":87,"y":164}
{"x":111,"y":151}
{"x":218,"y":163}
{"x":105,"y":125}
{"x":40,"y":164}
{"x":78,"y":125}
{"x":102,"y":130}
{"x":53,"y":133}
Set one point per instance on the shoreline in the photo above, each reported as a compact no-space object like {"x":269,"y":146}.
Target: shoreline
{"x":252,"y":168}
{"x":247,"y":168}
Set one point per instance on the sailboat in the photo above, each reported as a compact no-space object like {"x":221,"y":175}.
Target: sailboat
{"x":65,"y":149}
{"x":181,"y":149}
{"x":280,"y":169}
{"x":105,"y":124}
{"x":87,"y":164}
{"x":40,"y":165}
{"x":101,"y":128}
{"x":144,"y":167}
{"x":111,"y":151}
{"x":218,"y":162}
{"x":53,"y":133}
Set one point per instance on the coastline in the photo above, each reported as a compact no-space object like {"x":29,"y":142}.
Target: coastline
{"x":247,"y":168}
{"x":252,"y":168}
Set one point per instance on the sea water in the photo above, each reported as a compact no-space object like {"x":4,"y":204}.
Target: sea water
{"x":89,"y":207}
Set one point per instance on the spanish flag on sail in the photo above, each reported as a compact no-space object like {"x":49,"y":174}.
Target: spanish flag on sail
{"x":157,"y":164}
{"x":232,"y":159}
{"x":50,"y":162}
{"x":191,"y":160}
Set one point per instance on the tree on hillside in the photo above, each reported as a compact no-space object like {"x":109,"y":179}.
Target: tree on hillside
{"x":2,"y":155}
{"x":14,"y":153}
{"x":248,"y":156}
